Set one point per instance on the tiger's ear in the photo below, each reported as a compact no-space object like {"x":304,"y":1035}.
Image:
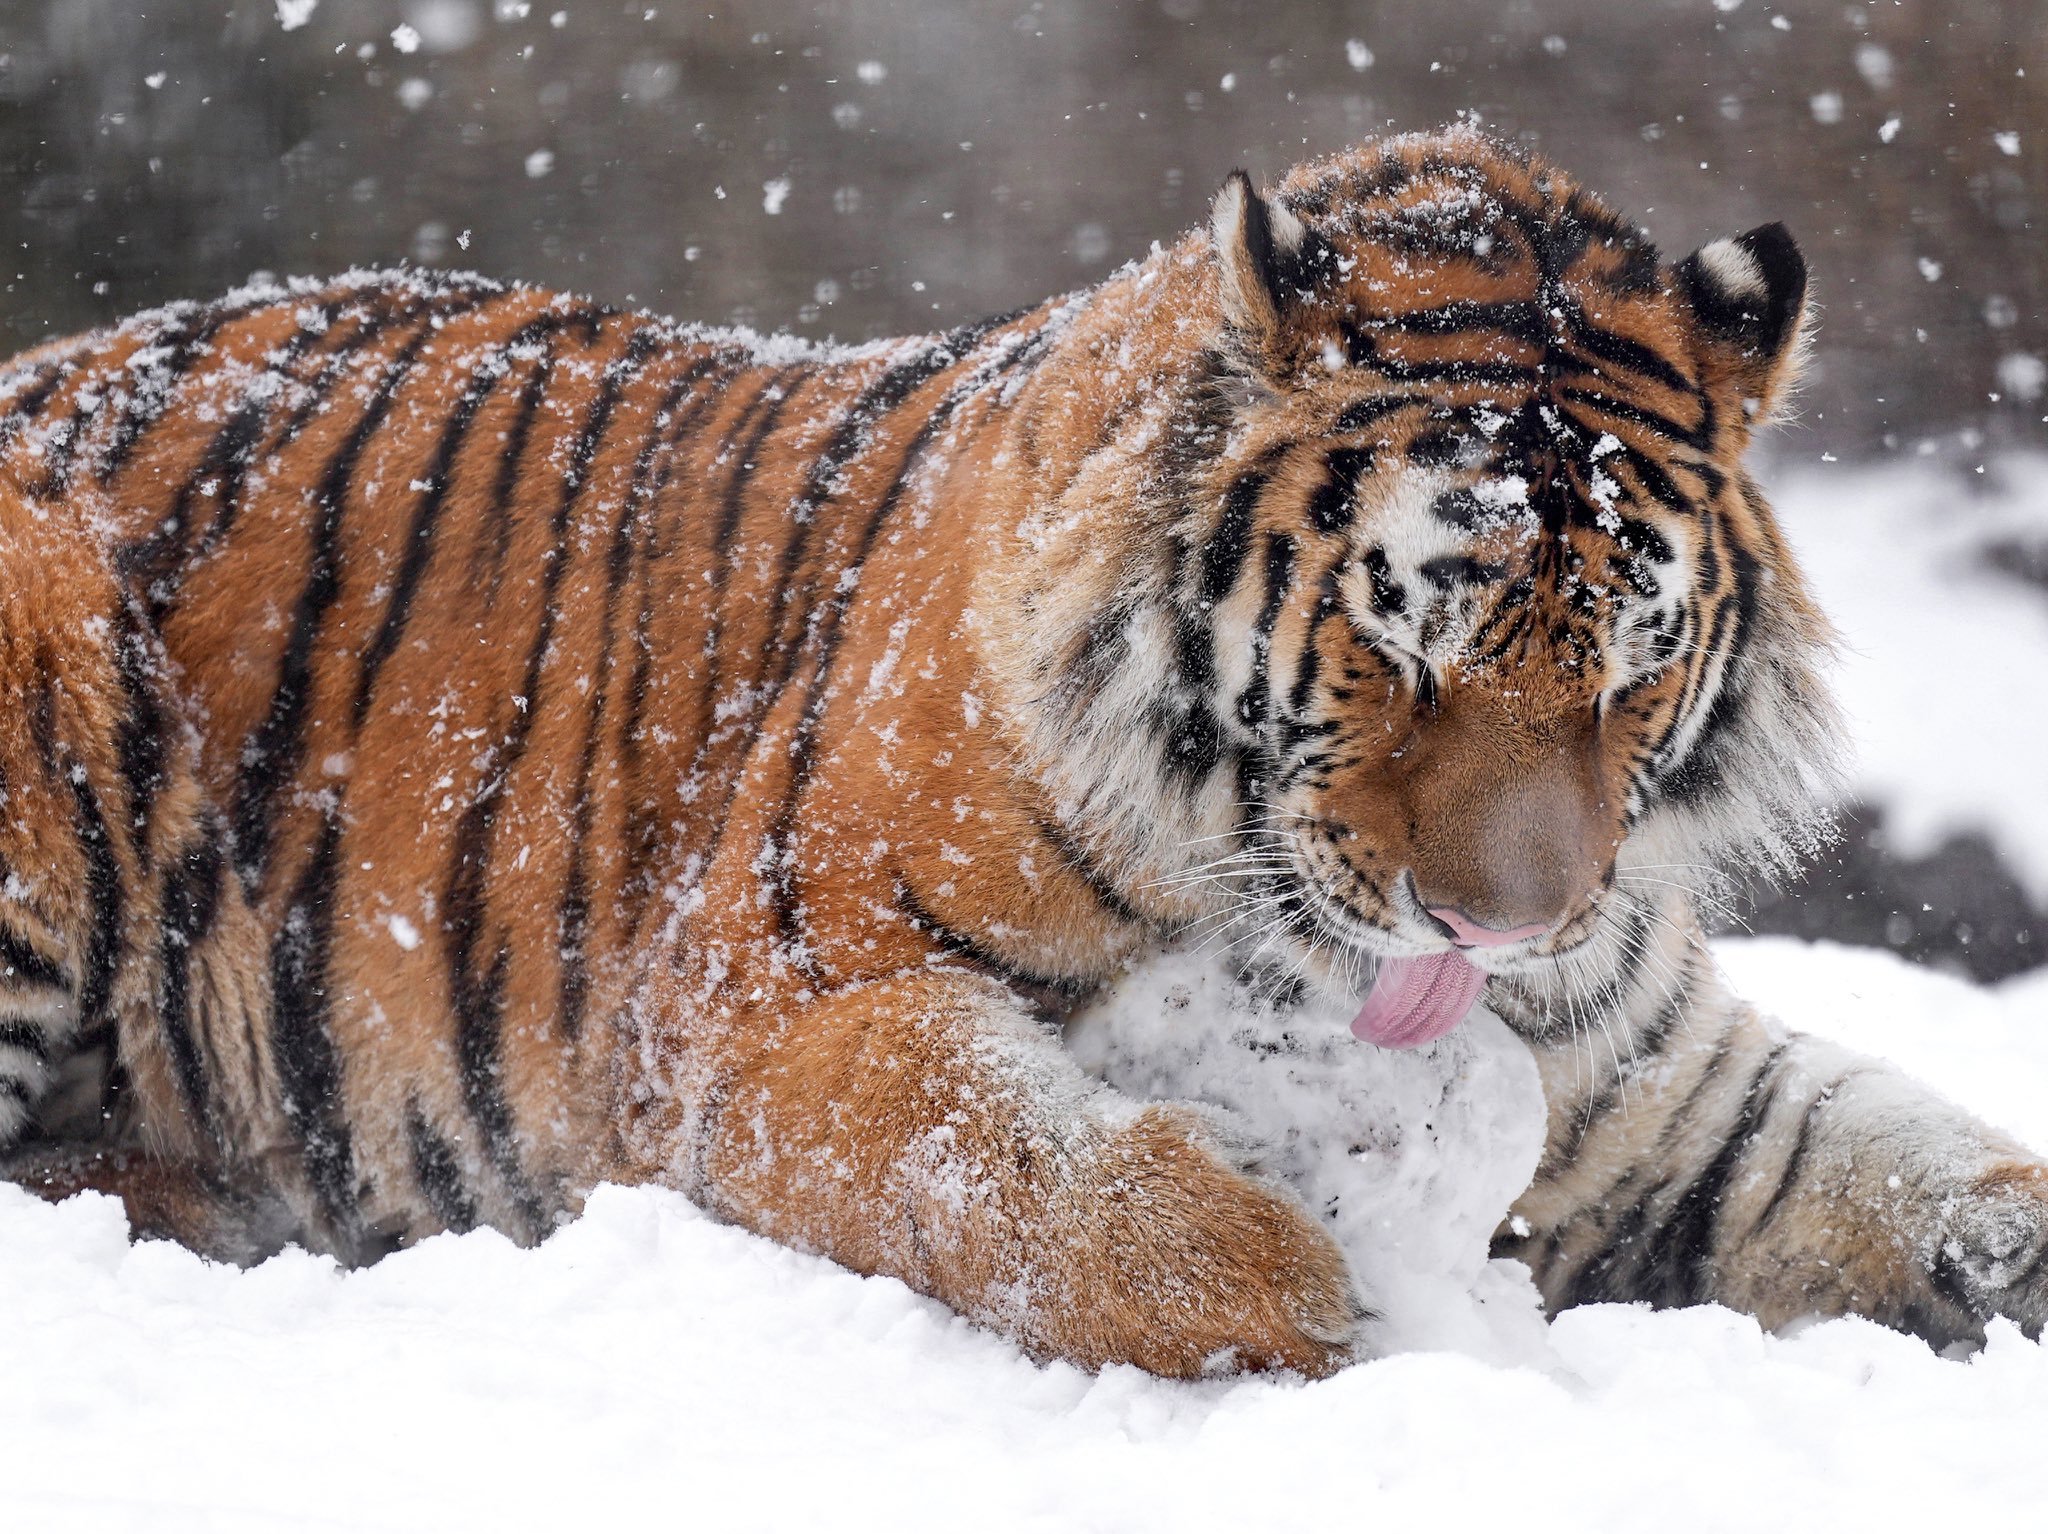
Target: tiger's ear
{"x":1261,"y":250}
{"x":1748,"y":296}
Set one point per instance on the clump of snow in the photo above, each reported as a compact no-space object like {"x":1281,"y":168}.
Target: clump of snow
{"x":293,"y":14}
{"x":1875,"y":63}
{"x":2022,"y":375}
{"x":649,"y":1364}
{"x":1410,"y":1157}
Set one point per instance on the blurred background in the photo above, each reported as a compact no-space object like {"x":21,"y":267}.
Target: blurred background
{"x":867,"y":167}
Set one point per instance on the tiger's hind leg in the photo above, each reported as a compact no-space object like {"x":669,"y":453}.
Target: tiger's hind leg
{"x":198,"y":1206}
{"x":69,"y":863}
{"x":114,"y":899}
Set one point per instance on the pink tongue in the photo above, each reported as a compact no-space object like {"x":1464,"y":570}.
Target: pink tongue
{"x":1416,"y":1000}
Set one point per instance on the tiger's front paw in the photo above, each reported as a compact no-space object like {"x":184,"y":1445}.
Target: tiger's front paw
{"x":1995,"y":1255}
{"x":1180,"y":1261}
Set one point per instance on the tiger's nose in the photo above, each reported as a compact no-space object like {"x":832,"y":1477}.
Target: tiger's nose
{"x":1467,"y":933}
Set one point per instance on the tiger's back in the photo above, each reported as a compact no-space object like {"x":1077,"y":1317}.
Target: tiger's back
{"x":478,"y":598}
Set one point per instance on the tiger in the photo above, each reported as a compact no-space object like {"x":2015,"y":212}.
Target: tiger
{"x":461,"y":744}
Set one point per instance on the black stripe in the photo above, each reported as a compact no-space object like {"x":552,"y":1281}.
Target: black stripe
{"x":1521,"y":318}
{"x":1657,"y":484}
{"x":26,"y":1037}
{"x":1363,"y":413}
{"x":1698,"y":775}
{"x":1711,"y":479}
{"x":192,"y":892}
{"x":854,"y":435}
{"x":103,"y":885}
{"x":1607,"y":346}
{"x":155,"y":564}
{"x":1255,"y":703}
{"x":1639,"y":415}
{"x":139,"y":738}
{"x":60,"y":446}
{"x":764,"y":412}
{"x":826,"y":625}
{"x":1602,"y":1276}
{"x":1795,"y":1161}
{"x":1074,"y":858}
{"x":643,"y":831}
{"x":1709,"y":1077}
{"x":21,"y":963}
{"x":490,"y":563}
{"x":1388,"y":595}
{"x":484,"y":379}
{"x":1650,"y":1039}
{"x":962,"y":945}
{"x":1194,"y":744}
{"x":26,"y":404}
{"x":1333,"y":505}
{"x":1592,"y":1110}
{"x":151,"y":564}
{"x":188,"y":348}
{"x":1639,"y":537}
{"x":372,"y":324}
{"x":275,"y":748}
{"x":1450,"y":570}
{"x":1678,"y":1252}
{"x":309,"y":1071}
{"x":574,"y":915}
{"x":182,"y":328}
{"x":1362,"y":350}
{"x":1223,"y":556}
{"x":439,"y":1174}
{"x":1308,"y":669}
{"x":478,"y":995}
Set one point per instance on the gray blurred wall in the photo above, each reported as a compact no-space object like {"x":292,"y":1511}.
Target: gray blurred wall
{"x":863,"y":167}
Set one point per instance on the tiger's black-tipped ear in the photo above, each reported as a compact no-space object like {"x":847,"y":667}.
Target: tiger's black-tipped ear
{"x":1748,"y":295}
{"x":1260,"y":251}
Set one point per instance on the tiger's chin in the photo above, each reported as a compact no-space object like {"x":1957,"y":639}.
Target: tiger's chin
{"x":1312,"y":949}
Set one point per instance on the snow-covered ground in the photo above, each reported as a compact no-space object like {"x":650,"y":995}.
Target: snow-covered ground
{"x":649,"y":1363}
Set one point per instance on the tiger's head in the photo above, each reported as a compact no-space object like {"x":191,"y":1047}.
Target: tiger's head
{"x":1478,"y":623}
